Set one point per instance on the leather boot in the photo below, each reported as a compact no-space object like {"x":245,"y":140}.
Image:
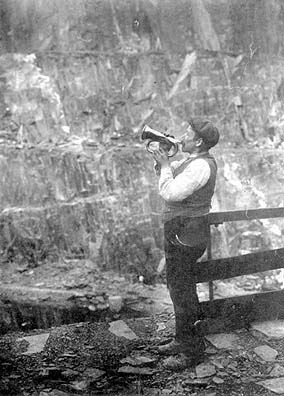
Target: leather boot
{"x":192,"y":348}
{"x":182,"y":361}
{"x":172,"y":348}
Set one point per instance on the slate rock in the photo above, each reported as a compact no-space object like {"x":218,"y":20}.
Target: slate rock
{"x":210,"y":350}
{"x":120,"y":329}
{"x":218,"y":380}
{"x":93,"y":373}
{"x":265,"y":352}
{"x":275,"y":385}
{"x":69,"y":374}
{"x":79,"y":385}
{"x":136,"y":370}
{"x":205,"y":370}
{"x":277,"y":371}
{"x":224,"y":340}
{"x":36,"y":343}
{"x":137,"y":360}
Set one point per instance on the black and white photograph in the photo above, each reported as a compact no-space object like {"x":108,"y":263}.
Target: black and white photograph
{"x":141,"y":197}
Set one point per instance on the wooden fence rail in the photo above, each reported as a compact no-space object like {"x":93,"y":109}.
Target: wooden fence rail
{"x":239,"y":311}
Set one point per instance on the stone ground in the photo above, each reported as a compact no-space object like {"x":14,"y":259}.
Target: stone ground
{"x":118,"y":356}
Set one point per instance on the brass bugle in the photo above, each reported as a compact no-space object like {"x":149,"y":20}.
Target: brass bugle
{"x":170,"y":142}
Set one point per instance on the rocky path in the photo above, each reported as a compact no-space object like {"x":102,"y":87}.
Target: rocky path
{"x":120,"y":358}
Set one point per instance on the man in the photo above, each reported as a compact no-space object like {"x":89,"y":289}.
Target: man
{"x":187,"y":187}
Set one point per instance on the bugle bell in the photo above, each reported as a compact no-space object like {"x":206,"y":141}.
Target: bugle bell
{"x":170,"y":143}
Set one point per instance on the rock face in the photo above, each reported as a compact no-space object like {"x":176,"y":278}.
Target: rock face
{"x":78,"y":81}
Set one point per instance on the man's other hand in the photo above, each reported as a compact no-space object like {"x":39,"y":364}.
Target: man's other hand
{"x":161,"y":156}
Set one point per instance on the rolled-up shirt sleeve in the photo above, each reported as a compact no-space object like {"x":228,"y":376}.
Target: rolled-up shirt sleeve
{"x":194,"y":176}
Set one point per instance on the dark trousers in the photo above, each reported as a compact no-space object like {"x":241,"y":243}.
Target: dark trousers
{"x":180,"y":260}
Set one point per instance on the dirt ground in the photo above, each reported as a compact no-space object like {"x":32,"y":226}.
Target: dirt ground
{"x":86,"y":358}
{"x":72,"y":351}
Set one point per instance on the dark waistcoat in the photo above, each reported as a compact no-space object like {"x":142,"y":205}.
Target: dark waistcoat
{"x":199,"y":203}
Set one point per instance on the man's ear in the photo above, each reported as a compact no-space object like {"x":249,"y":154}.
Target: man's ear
{"x":199,"y":142}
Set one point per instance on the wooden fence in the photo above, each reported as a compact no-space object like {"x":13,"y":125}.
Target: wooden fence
{"x":240,"y":311}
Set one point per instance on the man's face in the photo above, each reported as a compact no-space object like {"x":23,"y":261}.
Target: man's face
{"x":189,"y":140}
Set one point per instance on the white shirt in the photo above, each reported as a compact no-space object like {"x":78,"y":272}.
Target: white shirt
{"x":194,"y":176}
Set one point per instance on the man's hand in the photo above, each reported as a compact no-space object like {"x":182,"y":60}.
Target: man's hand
{"x":161,"y":156}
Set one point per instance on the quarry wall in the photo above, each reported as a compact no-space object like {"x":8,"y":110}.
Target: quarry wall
{"x":78,"y":81}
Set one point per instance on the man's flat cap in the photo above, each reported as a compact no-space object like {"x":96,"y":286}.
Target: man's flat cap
{"x":206,"y":130}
